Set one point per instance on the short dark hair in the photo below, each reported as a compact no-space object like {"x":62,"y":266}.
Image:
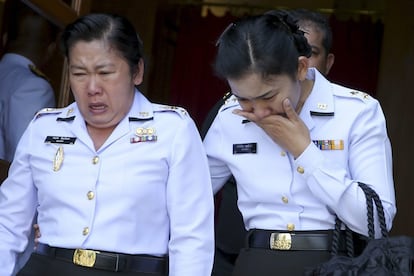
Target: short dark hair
{"x":115,"y":29}
{"x":267,"y":44}
{"x":320,"y":21}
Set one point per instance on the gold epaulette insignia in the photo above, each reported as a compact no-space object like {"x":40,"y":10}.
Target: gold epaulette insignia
{"x":48,"y":110}
{"x":227,"y":95}
{"x":177,"y":109}
{"x":360,"y":94}
{"x":37,"y":72}
{"x":230,"y":101}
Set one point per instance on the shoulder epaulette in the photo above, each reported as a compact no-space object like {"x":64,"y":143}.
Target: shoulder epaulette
{"x":229,"y":101}
{"x":179,"y":110}
{"x":37,"y":72}
{"x":360,"y":94}
{"x":48,"y":110}
{"x":351,"y":93}
{"x":227,"y":96}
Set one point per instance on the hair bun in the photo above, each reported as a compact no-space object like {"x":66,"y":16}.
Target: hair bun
{"x":284,"y":18}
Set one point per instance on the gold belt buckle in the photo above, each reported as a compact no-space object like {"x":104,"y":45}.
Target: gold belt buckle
{"x":84,"y":257}
{"x":280,"y":241}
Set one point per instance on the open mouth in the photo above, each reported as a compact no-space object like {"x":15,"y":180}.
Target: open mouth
{"x":97,"y":108}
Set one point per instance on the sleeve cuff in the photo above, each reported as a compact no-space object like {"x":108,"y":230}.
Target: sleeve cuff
{"x":308,"y":161}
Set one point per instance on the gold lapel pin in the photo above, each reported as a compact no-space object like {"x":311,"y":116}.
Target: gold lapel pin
{"x":57,"y":162}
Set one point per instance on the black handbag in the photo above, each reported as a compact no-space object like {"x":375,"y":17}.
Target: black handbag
{"x":387,"y":256}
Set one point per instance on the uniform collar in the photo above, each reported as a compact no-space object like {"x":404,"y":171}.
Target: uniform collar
{"x":319,"y":102}
{"x":142,"y":108}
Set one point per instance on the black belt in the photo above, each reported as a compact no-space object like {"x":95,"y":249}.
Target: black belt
{"x":295,"y":240}
{"x":106,"y":260}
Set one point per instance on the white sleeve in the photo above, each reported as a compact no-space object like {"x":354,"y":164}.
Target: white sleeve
{"x":190,"y":205}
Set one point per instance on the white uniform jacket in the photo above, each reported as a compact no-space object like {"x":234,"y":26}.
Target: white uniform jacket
{"x":277,"y":192}
{"x":22,"y":94}
{"x":147,"y":190}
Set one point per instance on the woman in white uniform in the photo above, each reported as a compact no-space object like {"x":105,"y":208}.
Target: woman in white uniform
{"x":109,"y":175}
{"x":297,"y":146}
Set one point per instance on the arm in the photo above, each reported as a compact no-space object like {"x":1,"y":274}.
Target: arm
{"x":190,"y":205}
{"x":219,"y":170}
{"x":369,"y":161}
{"x":32,"y":95}
{"x":17,"y":207}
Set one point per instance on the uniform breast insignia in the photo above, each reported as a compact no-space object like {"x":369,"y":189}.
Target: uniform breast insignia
{"x":58,"y":160}
{"x":329,"y":144}
{"x":37,"y":72}
{"x":60,"y":140}
{"x":144,"y":135}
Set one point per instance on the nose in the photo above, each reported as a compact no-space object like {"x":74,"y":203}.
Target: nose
{"x":261,"y":110}
{"x":94,"y":85}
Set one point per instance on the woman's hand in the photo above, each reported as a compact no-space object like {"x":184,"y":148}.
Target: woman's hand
{"x":289,"y":131}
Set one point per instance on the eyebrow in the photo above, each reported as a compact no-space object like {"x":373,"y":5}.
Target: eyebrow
{"x":265,"y":95}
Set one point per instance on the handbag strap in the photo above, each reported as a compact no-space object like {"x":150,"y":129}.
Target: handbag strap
{"x":371,"y":199}
{"x":371,"y":196}
{"x":349,"y":243}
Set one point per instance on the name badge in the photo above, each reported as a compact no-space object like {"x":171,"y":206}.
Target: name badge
{"x":245,"y":148}
{"x":60,"y":140}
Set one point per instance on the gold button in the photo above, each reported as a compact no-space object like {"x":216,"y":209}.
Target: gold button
{"x":285,"y":199}
{"x":300,"y":170}
{"x":90,"y":195}
{"x":290,"y":226}
{"x":85,"y":231}
{"x":283,"y":153}
{"x":95,"y":160}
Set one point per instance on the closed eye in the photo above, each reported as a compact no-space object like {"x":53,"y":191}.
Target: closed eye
{"x":78,"y":74}
{"x":105,"y":73}
{"x":268,"y":98}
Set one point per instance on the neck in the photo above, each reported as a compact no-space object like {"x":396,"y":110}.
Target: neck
{"x":306,"y":88}
{"x":99,"y":135}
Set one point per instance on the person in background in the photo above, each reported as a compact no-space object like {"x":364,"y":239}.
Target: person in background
{"x":230,"y":231}
{"x":106,"y":174}
{"x":318,"y":33}
{"x":24,"y":89}
{"x":296,"y":145}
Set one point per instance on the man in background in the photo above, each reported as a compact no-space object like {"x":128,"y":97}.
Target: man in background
{"x":230,"y":231}
{"x":24,"y":90}
{"x":319,"y":36}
